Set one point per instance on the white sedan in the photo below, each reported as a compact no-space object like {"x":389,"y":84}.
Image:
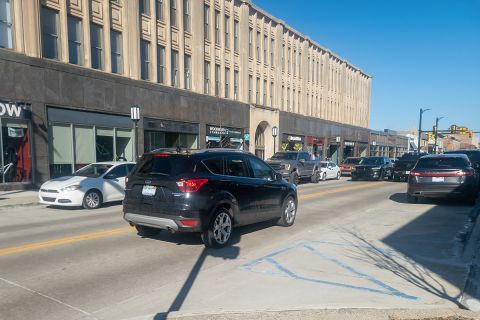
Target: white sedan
{"x":329,"y":170}
{"x":89,"y":187}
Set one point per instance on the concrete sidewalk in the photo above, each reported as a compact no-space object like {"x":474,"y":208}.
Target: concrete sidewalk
{"x":18,"y":198}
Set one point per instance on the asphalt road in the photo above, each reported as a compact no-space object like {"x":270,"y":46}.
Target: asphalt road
{"x":353,"y":245}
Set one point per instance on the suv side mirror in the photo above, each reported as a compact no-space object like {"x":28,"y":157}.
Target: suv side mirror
{"x":278,"y":176}
{"x":302,"y":161}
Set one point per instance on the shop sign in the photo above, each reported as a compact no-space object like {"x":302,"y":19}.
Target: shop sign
{"x":223,"y":131}
{"x":315,"y":140}
{"x":349,"y":143}
{"x":13,"y":110}
{"x":15,"y":132}
{"x":293,"y":138}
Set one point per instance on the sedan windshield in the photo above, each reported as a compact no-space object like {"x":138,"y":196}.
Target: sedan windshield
{"x":371,"y":161}
{"x":285,"y":156}
{"x":93,"y":170}
{"x":352,"y":161}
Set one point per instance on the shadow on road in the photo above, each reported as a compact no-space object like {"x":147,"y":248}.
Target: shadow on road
{"x":409,"y":266}
{"x":402,"y":198}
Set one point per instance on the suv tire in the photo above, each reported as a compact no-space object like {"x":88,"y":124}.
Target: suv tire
{"x":295,"y":178}
{"x":316,"y":176}
{"x":289,"y":212}
{"x":146,"y":231}
{"x":219,"y":231}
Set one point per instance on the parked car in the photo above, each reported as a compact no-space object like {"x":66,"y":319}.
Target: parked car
{"x":296,"y":165}
{"x":329,"y":170}
{"x":348,"y":164}
{"x":443,"y":176}
{"x":90,"y":186}
{"x":377,"y":168}
{"x":207,"y":192}
{"x":403,"y":166}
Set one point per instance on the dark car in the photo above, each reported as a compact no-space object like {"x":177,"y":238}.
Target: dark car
{"x":205,"y":191}
{"x":403,"y":165}
{"x":443,"y":176}
{"x":376,"y":168}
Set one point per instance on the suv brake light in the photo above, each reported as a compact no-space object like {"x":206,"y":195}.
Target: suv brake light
{"x":191,"y":185}
{"x":415,"y":174}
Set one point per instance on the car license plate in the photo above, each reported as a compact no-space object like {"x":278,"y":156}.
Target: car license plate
{"x":438,"y":179}
{"x":149,"y":191}
{"x":407,"y":172}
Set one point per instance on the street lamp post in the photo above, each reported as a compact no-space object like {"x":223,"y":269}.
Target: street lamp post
{"x":135,"y":116}
{"x":420,"y":129}
{"x":436,"y":133}
{"x":274,"y":135}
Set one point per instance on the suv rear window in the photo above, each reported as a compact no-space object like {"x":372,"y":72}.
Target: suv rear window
{"x":165,"y":165}
{"x":441,"y":163}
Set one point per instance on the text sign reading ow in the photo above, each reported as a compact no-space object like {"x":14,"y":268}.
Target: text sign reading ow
{"x":13,"y":110}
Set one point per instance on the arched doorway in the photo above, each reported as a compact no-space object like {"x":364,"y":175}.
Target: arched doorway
{"x":260,"y":140}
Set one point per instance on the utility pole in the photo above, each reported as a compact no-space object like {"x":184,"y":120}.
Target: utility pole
{"x":436,"y":133}
{"x":420,"y":129}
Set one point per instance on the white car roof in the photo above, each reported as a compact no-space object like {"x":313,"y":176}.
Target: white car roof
{"x":114,"y":163}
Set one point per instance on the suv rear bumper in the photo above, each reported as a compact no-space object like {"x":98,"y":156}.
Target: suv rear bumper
{"x":161,"y":222}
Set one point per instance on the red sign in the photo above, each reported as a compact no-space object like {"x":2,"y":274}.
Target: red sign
{"x":319,"y":141}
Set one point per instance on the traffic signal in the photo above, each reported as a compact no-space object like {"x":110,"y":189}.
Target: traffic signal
{"x":453,"y":129}
{"x":435,"y":129}
{"x":470,"y":134}
{"x":463,"y":130}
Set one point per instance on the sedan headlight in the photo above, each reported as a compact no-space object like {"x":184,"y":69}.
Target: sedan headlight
{"x":71,"y":188}
{"x":286,"y":166}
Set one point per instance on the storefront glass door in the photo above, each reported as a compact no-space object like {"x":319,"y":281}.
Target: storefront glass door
{"x":16,"y":165}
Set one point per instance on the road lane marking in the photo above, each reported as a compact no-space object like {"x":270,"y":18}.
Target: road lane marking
{"x":56,"y":242}
{"x":338,"y":190}
{"x":116,"y":231}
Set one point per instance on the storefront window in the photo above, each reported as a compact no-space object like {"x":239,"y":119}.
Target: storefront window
{"x":15,"y":138}
{"x":104,"y":145}
{"x":84,"y":153}
{"x":61,"y":153}
{"x":124,"y":145}
{"x":157,"y":139}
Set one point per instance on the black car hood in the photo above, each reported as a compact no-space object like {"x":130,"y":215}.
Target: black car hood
{"x":365,"y":166}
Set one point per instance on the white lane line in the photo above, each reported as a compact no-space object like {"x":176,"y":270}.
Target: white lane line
{"x":48,"y":297}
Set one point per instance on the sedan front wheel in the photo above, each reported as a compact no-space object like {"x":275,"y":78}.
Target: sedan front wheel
{"x":92,"y":199}
{"x":289,"y":212}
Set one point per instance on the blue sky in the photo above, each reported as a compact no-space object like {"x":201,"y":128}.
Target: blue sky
{"x":421,"y":53}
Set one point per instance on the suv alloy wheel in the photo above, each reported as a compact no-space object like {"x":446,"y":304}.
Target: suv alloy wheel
{"x":219,"y":230}
{"x":289,"y":212}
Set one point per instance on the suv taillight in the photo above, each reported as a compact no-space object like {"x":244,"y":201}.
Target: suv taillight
{"x":415,"y":174}
{"x":468,"y":173}
{"x":191,"y":185}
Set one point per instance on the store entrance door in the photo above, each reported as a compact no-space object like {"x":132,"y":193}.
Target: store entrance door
{"x":260,"y":140}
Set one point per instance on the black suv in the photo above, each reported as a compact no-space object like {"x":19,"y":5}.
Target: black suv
{"x":205,"y":191}
{"x":377,"y":168}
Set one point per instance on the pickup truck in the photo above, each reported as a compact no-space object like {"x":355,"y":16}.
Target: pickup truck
{"x":295,"y":166}
{"x":405,"y":164}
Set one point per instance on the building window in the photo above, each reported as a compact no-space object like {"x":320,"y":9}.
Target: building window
{"x":250,"y":43}
{"x":145,"y":59}
{"x":206,"y":22}
{"x":264,"y":92}
{"x":206,"y":77}
{"x":227,"y":83}
{"x":217,"y":80}
{"x":283,"y":57}
{"x":257,"y":92}
{"x":160,"y":8}
{"x":187,"y":69}
{"x":235,"y":85}
{"x":271,"y":94}
{"x":299,"y":64}
{"x":161,"y":64}
{"x":49,"y":20}
{"x":282,"y":94}
{"x":75,"y":43}
{"x":272,"y":49}
{"x":145,"y":7}
{"x":96,"y":39}
{"x":175,"y":82}
{"x":217,"y":27}
{"x":289,"y":59}
{"x":250,"y":89}
{"x":227,"y":32}
{"x":265,"y":47}
{"x":116,"y":51}
{"x":5,"y":24}
{"x":186,"y":15}
{"x":258,"y":45}
{"x":173,"y":13}
{"x":294,"y":61}
{"x":293,"y":99}
{"x":235,"y":36}
{"x":288,"y":100}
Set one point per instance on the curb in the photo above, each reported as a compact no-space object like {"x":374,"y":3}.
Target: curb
{"x":470,"y":297}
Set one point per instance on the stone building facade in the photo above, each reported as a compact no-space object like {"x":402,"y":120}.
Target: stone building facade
{"x":206,"y":73}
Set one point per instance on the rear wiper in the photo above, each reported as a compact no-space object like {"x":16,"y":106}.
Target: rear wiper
{"x":158,"y":174}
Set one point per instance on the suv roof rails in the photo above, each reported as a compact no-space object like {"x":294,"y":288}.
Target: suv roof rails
{"x":223,"y":150}
{"x":172,"y":150}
